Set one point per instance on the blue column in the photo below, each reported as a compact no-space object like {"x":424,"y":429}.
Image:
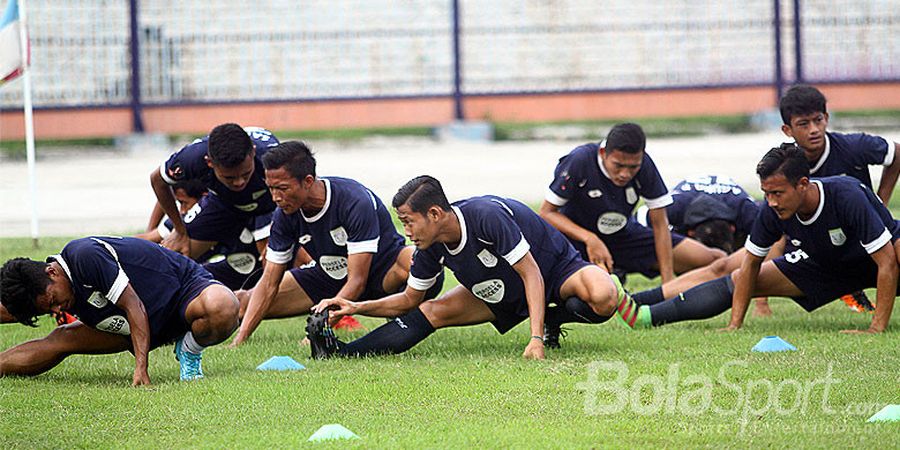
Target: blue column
{"x":798,"y":43}
{"x":457,"y":65}
{"x":137,"y":121}
{"x":779,"y":81}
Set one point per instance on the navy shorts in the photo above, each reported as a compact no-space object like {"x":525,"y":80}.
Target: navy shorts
{"x":509,"y":314}
{"x":632,"y":249}
{"x":166,"y":329}
{"x":231,"y":270}
{"x":822,"y":285}
{"x":215,"y":221}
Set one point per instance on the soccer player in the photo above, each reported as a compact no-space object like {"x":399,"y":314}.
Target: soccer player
{"x":509,"y":263}
{"x":593,"y":195}
{"x":235,"y":261}
{"x":228,"y":162}
{"x":829,"y":153}
{"x":845,"y":237}
{"x":127,"y":293}
{"x":343,"y":226}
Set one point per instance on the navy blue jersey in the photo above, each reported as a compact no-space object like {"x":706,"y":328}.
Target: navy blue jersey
{"x":189,"y":163}
{"x":496,"y":233}
{"x":585,"y":194}
{"x":101,"y":267}
{"x":851,"y":155}
{"x":352,"y":221}
{"x":849,"y":224}
{"x":741,"y":208}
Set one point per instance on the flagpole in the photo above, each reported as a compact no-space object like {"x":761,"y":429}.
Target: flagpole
{"x":29,"y":122}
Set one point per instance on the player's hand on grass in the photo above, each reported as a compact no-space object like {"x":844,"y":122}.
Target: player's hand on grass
{"x":178,"y":242}
{"x":534,"y":350}
{"x":339,"y":307}
{"x":731,"y":327}
{"x":598,"y":253}
{"x":141,"y":378}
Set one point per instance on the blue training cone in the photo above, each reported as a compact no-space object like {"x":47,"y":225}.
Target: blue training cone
{"x":332,"y":431}
{"x":280,"y":363}
{"x":890,"y":413}
{"x":773,"y":344}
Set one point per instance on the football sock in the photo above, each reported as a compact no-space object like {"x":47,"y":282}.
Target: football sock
{"x":396,"y":336}
{"x":625,"y":305}
{"x":700,"y":302}
{"x":649,"y":297}
{"x":188,"y":343}
{"x":574,"y":310}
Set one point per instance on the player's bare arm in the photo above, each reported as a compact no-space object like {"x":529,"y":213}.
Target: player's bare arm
{"x":889,"y":176}
{"x":528,"y":269}
{"x":390,"y":306}
{"x":140,"y":333}
{"x":886,"y":287}
{"x":260,"y":300}
{"x":662,"y":242}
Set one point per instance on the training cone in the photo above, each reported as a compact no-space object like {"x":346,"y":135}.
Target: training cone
{"x":280,"y":363}
{"x":332,"y":431}
{"x":773,"y":344}
{"x":890,"y":413}
{"x":348,"y":323}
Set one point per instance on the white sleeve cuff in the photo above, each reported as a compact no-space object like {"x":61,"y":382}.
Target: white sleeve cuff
{"x":879,"y":242}
{"x":282,"y":257}
{"x":420,"y":284}
{"x":163,"y":230}
{"x":659,"y":202}
{"x":262,"y":233}
{"x":756,"y":250}
{"x":370,"y":246}
{"x":118,"y":286}
{"x":517,"y":253}
{"x":165,"y":176}
{"x":889,"y":156}
{"x":554,"y":199}
{"x":641,"y":215}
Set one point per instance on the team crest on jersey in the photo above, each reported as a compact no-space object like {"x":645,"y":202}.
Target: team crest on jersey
{"x":837,"y":236}
{"x":595,"y":193}
{"x":97,"y":300}
{"x":488,"y":259}
{"x":115,"y":325}
{"x":491,"y":291}
{"x":611,"y":222}
{"x":242,"y":263}
{"x":334,"y":266}
{"x":248,"y":207}
{"x":246,"y":236}
{"x":631,"y":196}
{"x":257,"y":194}
{"x":339,"y":236}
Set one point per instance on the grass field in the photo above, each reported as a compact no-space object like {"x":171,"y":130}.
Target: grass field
{"x":686,"y":386}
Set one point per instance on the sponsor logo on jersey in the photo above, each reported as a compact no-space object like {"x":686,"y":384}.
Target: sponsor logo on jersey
{"x":795,"y":242}
{"x":258,"y":194}
{"x":611,"y":222}
{"x":97,"y":300}
{"x":248,"y":207}
{"x":114,"y":324}
{"x":488,"y":259}
{"x":304,"y":239}
{"x":339,"y":236}
{"x":594,"y":193}
{"x":491,"y":291}
{"x":242,"y":263}
{"x":631,"y":196}
{"x":334,"y":266}
{"x":837,"y":236}
{"x":176,"y":172}
{"x":246,"y":236}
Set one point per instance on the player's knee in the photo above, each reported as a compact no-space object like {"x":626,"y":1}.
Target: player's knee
{"x":719,"y":268}
{"x":222,"y":310}
{"x":436,"y":312}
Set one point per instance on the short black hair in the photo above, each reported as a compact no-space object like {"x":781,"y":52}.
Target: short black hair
{"x":293,"y":156}
{"x":716,"y":233}
{"x":627,"y":138}
{"x":21,"y":281}
{"x":229,"y":145}
{"x":193,"y":187}
{"x":801,"y":100}
{"x":786,"y":159}
{"x":421,"y":193}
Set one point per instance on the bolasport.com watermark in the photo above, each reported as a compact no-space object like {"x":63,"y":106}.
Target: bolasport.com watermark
{"x":610,"y":389}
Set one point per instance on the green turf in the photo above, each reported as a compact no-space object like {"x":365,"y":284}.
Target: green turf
{"x":469,"y":387}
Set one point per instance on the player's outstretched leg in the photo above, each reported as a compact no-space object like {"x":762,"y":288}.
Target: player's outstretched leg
{"x":40,"y":355}
{"x":213,"y":316}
